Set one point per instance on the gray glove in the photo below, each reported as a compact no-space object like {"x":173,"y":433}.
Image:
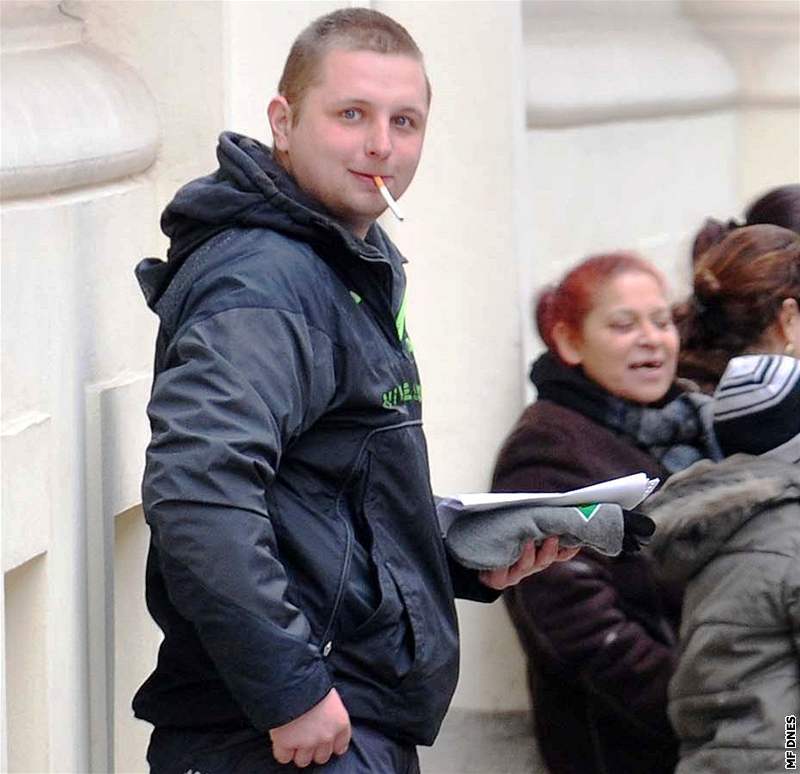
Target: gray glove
{"x":485,"y":540}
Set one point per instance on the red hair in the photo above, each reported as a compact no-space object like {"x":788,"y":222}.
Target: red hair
{"x":571,"y":300}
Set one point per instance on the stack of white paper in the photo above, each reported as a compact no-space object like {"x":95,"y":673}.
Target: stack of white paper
{"x":626,"y":492}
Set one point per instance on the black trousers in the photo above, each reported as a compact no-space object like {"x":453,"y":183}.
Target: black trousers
{"x":246,"y":751}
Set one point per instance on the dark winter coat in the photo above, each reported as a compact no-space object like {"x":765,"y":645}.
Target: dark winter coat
{"x":295,"y":544}
{"x":599,"y":632}
{"x":732,"y":533}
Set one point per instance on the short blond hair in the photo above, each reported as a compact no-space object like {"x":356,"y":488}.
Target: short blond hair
{"x":351,"y":29}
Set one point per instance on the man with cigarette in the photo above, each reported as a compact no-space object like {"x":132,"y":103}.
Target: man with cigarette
{"x":296,"y":565}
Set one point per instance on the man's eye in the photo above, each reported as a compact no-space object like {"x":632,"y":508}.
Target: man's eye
{"x":403,"y":121}
{"x":351,"y":114}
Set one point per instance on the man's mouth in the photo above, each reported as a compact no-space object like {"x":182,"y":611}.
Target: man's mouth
{"x":370,"y":176}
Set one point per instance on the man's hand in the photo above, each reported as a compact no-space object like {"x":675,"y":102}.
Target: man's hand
{"x":316,"y":735}
{"x":530,"y":561}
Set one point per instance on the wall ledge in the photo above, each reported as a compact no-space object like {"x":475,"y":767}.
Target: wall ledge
{"x":27,"y":26}
{"x":72,"y":115}
{"x":762,"y":41}
{"x":26,"y":442}
{"x":602,"y":62}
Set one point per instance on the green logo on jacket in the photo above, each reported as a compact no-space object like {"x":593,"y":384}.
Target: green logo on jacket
{"x":402,"y":393}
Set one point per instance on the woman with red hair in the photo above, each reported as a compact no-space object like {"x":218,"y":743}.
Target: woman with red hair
{"x":599,"y":632}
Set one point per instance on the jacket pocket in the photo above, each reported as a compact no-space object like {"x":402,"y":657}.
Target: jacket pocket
{"x":399,"y":508}
{"x":400,"y":662}
{"x":378,"y":632}
{"x":382,"y":648}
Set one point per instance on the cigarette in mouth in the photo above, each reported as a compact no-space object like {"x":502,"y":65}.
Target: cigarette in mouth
{"x":387,"y":197}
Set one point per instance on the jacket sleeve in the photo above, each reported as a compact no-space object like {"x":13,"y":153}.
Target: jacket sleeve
{"x":572,"y":611}
{"x":236,"y":388}
{"x":467,"y":584}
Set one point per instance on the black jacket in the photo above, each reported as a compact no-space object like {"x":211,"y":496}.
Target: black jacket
{"x":295,"y":545}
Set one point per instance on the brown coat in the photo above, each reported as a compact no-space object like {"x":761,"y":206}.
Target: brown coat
{"x":599,"y":633}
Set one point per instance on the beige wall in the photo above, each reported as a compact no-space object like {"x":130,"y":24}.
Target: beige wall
{"x":136,"y":638}
{"x":26,"y":667}
{"x":538,"y":152}
{"x":463,"y":244}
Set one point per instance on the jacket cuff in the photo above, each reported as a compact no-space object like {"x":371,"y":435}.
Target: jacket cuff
{"x":467,"y":584}
{"x":310,"y":689}
{"x":272,"y":674}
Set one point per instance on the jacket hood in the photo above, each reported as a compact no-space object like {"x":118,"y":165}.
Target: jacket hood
{"x":249,"y":190}
{"x":701,"y":508}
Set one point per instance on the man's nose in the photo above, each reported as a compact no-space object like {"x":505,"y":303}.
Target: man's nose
{"x":379,"y":140}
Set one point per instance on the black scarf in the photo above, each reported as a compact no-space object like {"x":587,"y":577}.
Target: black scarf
{"x":675,"y":431}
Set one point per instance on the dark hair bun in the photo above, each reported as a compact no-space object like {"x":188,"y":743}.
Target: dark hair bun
{"x":780,"y":207}
{"x":712,"y":232}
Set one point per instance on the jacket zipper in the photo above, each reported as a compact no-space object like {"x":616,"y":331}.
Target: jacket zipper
{"x":345,"y":572}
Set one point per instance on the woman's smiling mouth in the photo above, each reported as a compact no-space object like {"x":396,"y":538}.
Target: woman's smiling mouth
{"x":653,"y":364}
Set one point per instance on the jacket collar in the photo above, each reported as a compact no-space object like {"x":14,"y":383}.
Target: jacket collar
{"x":675,"y":431}
{"x":701,"y":508}
{"x":251,"y":190}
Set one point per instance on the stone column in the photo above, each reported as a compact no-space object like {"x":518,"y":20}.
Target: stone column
{"x":79,"y":129}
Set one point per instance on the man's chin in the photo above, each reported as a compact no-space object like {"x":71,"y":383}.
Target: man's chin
{"x":358,"y":220}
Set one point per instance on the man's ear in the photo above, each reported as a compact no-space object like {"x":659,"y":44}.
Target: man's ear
{"x":279,"y":113}
{"x":567,"y":346}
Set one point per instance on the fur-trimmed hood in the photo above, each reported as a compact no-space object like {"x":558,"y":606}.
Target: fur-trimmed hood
{"x":701,"y":508}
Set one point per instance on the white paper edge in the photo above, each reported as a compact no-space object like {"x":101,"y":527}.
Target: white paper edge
{"x":626,"y":491}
